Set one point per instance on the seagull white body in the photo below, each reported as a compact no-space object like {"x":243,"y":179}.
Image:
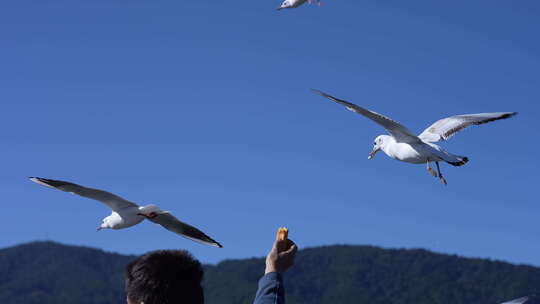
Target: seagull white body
{"x":404,"y":146}
{"x":126,"y":214}
{"x":121,"y":219}
{"x":295,"y":3}
{"x":415,"y":153}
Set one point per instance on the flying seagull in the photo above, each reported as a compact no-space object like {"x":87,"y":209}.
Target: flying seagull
{"x":518,"y":301}
{"x":296,"y":3}
{"x":403,"y":145}
{"x":126,"y":214}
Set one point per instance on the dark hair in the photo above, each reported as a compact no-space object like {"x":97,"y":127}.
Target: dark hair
{"x":165,"y":277}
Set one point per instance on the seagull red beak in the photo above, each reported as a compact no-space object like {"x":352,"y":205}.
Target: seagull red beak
{"x":373,"y":152}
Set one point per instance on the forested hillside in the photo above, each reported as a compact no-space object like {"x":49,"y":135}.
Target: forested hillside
{"x":47,"y":272}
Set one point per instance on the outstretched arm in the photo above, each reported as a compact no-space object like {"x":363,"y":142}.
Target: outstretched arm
{"x":279,"y":259}
{"x":270,"y":290}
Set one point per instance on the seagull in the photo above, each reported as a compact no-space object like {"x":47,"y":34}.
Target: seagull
{"x":126,"y":214}
{"x":518,"y":301}
{"x":295,"y":3}
{"x":403,"y":145}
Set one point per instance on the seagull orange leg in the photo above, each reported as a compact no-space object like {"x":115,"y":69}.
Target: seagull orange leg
{"x":430,"y":170}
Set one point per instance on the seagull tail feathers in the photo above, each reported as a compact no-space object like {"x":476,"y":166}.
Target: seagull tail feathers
{"x":462,"y":160}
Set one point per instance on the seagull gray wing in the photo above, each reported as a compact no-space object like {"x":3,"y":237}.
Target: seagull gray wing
{"x":445,"y":128}
{"x":517,"y":301}
{"x":169,"y":222}
{"x":113,"y":201}
{"x":397,"y":130}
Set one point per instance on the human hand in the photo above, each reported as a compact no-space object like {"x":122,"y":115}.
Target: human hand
{"x":281,"y":256}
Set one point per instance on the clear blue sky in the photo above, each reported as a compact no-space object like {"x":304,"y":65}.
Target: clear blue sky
{"x":204,"y":108}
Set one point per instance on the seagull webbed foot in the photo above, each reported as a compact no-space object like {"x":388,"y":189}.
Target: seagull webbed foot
{"x":443,"y":180}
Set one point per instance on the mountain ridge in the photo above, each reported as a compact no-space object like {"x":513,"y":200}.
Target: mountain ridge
{"x":51,"y":272}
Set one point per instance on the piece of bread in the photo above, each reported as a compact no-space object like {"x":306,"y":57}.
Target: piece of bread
{"x":282,"y":233}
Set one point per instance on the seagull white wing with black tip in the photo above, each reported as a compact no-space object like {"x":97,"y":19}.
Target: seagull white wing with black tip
{"x":445,"y":128}
{"x":113,"y":201}
{"x":397,"y":130}
{"x":169,"y":222}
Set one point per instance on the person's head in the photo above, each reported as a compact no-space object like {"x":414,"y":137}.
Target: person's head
{"x":164,"y":277}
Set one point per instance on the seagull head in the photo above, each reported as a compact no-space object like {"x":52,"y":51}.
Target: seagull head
{"x":285,"y":4}
{"x":378,"y":144}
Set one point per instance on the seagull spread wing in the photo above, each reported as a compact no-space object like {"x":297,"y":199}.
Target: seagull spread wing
{"x":169,"y":222}
{"x":113,"y":201}
{"x":398,"y":131}
{"x":517,"y":301}
{"x":445,"y":128}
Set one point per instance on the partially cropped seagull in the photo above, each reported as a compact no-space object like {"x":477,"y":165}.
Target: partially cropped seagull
{"x":518,"y":301}
{"x":296,"y":3}
{"x":126,"y":214}
{"x":403,"y":145}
